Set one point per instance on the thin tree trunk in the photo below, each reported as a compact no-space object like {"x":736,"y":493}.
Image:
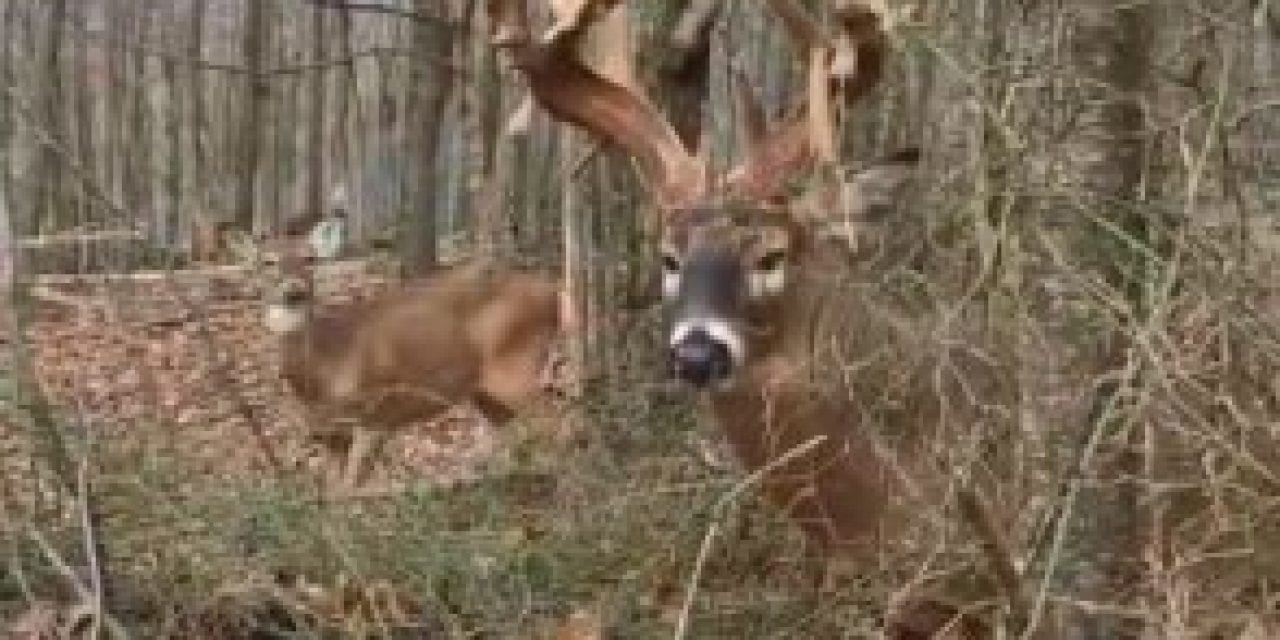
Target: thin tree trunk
{"x":317,"y":149}
{"x":342,"y":152}
{"x":489,"y":174}
{"x":139,"y":191}
{"x":257,"y":97}
{"x":195,"y":98}
{"x":49,"y":201}
{"x":432,"y":80}
{"x":175,"y":165}
{"x":1103,"y":559}
{"x":86,"y":96}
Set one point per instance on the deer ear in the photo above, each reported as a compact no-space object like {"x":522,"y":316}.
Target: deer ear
{"x":840,"y":212}
{"x":871,"y":190}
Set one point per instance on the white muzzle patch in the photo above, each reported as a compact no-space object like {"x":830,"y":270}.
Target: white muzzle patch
{"x":719,"y":330}
{"x":280,"y":318}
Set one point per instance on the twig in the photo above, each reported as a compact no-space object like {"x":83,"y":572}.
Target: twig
{"x":1102,"y":415}
{"x":49,"y":295}
{"x":92,"y":554}
{"x":974,"y":509}
{"x":580,"y":165}
{"x":69,"y":574}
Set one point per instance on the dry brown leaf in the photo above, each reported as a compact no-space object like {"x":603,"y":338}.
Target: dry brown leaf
{"x":580,"y":625}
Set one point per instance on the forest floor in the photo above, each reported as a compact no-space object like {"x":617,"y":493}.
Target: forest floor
{"x":166,"y":396}
{"x":167,"y":390}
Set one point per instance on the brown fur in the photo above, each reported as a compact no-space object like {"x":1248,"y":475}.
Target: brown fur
{"x":475,"y":334}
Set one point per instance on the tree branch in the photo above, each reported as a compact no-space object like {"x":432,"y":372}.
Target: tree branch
{"x":387,"y":10}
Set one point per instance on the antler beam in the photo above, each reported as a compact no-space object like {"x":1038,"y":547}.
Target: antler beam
{"x":575,"y":94}
{"x":843,"y":68}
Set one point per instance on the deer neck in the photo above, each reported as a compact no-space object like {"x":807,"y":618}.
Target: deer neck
{"x":780,"y":383}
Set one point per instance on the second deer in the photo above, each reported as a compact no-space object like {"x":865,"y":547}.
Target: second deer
{"x":477,"y":334}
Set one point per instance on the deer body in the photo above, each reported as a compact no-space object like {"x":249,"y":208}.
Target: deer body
{"x":472,"y":334}
{"x":836,"y":490}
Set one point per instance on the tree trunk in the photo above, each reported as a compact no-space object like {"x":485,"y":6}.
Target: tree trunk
{"x":317,"y":149}
{"x":432,"y":81}
{"x":1102,"y":561}
{"x":257,"y":96}
{"x":50,"y":201}
{"x":195,"y":98}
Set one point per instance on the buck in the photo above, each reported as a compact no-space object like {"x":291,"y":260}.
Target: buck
{"x":809,"y":377}
{"x":476,"y":333}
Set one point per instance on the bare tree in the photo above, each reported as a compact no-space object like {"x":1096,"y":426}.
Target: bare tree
{"x":432,"y":79}
{"x":257,"y":97}
{"x":317,"y":119}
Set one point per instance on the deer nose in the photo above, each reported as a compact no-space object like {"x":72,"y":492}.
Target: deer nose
{"x":294,"y":296}
{"x":700,"y":360}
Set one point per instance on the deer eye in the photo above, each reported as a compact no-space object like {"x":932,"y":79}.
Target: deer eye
{"x":670,"y":277}
{"x":771,"y":261}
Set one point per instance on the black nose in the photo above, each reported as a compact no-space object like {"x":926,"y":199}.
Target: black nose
{"x":700,"y":360}
{"x":294,"y":296}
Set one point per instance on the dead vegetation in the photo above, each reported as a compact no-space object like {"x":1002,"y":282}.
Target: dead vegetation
{"x":204,"y":540}
{"x":189,"y":508}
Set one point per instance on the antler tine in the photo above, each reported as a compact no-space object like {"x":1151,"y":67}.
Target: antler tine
{"x":575,"y":94}
{"x":854,"y":64}
{"x":570,"y":28}
{"x":752,"y":123}
{"x":801,"y":27}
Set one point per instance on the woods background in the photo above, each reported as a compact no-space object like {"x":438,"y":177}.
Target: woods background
{"x":1100,"y":195}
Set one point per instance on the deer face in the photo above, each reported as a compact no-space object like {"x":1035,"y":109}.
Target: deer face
{"x":728,"y":272}
{"x":722,"y":271}
{"x":291,"y":291}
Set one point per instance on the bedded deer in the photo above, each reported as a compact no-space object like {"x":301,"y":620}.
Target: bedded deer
{"x":478,"y":333}
{"x":822,"y":387}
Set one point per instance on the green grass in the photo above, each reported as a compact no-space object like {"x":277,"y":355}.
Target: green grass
{"x":614,"y":526}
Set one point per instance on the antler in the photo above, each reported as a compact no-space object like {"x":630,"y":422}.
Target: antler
{"x":853,"y":63}
{"x":616,"y":115}
{"x":753,"y":127}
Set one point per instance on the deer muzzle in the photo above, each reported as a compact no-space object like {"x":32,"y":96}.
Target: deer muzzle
{"x":701,"y":358}
{"x":705,"y":343}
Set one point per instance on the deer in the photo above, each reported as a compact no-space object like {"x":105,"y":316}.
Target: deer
{"x":476,"y":333}
{"x":756,"y":282}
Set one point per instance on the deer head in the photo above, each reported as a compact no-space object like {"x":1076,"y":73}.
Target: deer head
{"x":737,"y":248}
{"x":748,"y":266}
{"x":290,"y":295}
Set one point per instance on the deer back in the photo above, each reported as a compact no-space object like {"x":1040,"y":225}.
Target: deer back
{"x":443,"y":340}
